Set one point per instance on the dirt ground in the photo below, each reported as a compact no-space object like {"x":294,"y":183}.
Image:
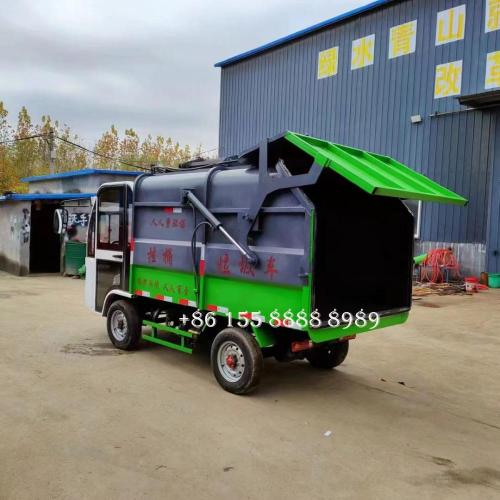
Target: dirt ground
{"x":414,"y":412}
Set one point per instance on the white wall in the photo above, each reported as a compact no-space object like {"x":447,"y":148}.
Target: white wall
{"x":15,"y":227}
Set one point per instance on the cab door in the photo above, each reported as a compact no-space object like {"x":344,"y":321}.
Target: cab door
{"x":112,"y":240}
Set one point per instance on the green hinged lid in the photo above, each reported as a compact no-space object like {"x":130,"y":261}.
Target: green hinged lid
{"x":376,"y":174}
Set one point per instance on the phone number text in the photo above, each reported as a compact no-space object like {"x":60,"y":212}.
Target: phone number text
{"x":301,"y":320}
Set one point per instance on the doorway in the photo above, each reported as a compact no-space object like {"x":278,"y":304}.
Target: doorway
{"x":45,"y":245}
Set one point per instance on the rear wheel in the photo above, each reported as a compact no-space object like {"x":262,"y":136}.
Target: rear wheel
{"x":236,"y":360}
{"x":124,"y":325}
{"x":328,"y":356}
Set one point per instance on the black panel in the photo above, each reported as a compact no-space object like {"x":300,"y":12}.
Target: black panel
{"x":45,"y":245}
{"x":364,"y":248}
{"x":109,"y":276}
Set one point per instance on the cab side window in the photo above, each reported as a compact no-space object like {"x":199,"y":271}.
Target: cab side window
{"x":110,"y":219}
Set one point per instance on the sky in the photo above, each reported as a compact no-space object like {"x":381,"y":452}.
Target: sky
{"x":148,"y":65}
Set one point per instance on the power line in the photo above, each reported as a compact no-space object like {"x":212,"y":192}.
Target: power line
{"x":96,"y":153}
{"x":17,"y":139}
{"x":197,"y":155}
{"x":106,"y":157}
{"x":74,"y":144}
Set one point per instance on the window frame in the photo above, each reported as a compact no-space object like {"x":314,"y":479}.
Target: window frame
{"x":91,"y":232}
{"x":109,"y":212}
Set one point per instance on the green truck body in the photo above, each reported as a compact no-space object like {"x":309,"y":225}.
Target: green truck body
{"x":297,"y":245}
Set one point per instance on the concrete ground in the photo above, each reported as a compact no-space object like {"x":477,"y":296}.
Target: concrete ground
{"x":413,"y":413}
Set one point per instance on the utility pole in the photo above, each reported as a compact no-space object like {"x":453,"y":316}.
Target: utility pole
{"x":52,"y":152}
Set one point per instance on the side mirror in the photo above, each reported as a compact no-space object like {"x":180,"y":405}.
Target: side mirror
{"x":60,"y":220}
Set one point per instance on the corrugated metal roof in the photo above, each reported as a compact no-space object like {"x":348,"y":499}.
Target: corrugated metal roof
{"x":375,"y":174}
{"x":302,"y":33}
{"x":79,"y":173}
{"x":45,"y":196}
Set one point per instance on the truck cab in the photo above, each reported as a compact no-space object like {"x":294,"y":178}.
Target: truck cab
{"x":108,"y":245}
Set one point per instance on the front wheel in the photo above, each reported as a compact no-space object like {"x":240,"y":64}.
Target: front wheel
{"x":236,"y":360}
{"x":124,"y":325}
{"x":328,"y":356}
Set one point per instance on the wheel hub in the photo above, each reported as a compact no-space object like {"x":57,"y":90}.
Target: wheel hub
{"x":119,"y":326}
{"x":231,"y":361}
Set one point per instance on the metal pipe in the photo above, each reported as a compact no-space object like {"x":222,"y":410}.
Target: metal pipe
{"x":217,"y":224}
{"x":251,"y":257}
{"x":192,"y":198}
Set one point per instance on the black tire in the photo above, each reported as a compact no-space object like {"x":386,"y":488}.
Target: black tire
{"x":128,"y":335}
{"x":328,"y":356}
{"x":239,"y":347}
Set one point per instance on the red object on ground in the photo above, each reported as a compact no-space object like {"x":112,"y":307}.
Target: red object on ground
{"x":471,"y":284}
{"x":439,"y":260}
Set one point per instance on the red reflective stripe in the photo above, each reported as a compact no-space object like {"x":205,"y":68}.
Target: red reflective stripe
{"x":202,"y":268}
{"x":159,"y":297}
{"x":184,"y":302}
{"x":301,"y":345}
{"x":246,"y":315}
{"x":211,"y":307}
{"x":132,"y":245}
{"x":169,"y":210}
{"x":138,"y":292}
{"x":348,"y":337}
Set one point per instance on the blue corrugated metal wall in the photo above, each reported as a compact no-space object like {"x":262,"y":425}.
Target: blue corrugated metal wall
{"x":371,"y":107}
{"x":493,"y":236}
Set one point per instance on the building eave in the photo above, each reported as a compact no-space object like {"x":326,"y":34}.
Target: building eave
{"x":45,"y":196}
{"x":80,"y":173}
{"x":303,"y":33}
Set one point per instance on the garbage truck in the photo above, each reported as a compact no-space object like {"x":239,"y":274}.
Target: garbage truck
{"x":291,"y":250}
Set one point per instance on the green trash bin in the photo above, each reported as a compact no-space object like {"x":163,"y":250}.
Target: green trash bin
{"x":74,"y":257}
{"x":494,"y":280}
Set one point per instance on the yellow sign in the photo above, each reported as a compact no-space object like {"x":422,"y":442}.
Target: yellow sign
{"x":492,"y":79}
{"x":448,"y":79}
{"x":363,"y":52}
{"x":492,"y":21}
{"x":450,"y":25}
{"x":328,"y":62}
{"x":402,"y":39}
